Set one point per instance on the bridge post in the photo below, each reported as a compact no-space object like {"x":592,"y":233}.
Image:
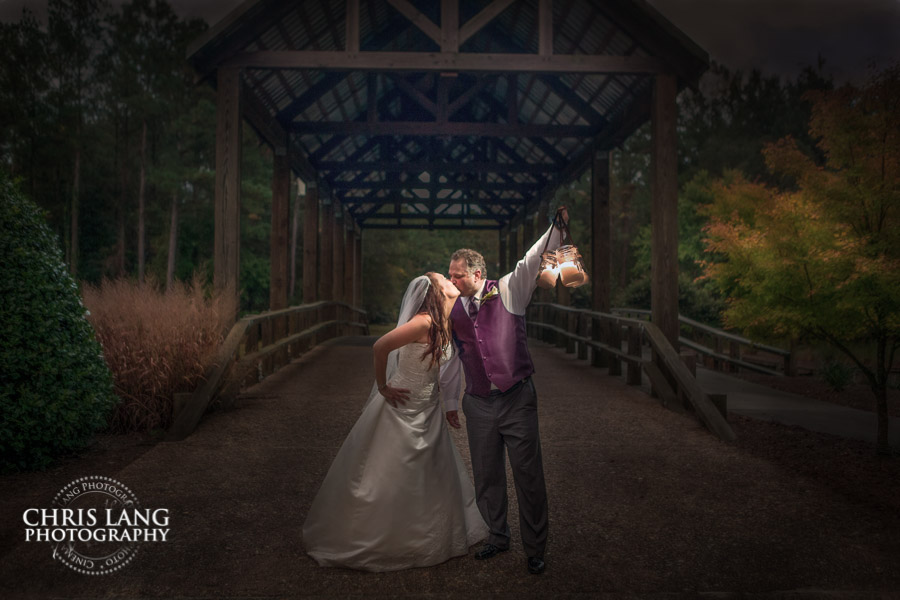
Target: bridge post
{"x":512,"y":245}
{"x":227,"y":210}
{"x":501,"y":243}
{"x":357,"y":266}
{"x":600,"y":242}
{"x":310,"y":243}
{"x":528,"y":236}
{"x":278,"y":239}
{"x":349,"y":261}
{"x":326,"y":249}
{"x":337,"y":248}
{"x":664,"y":220}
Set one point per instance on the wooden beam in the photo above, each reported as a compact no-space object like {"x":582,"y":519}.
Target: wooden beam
{"x":477,"y":23}
{"x":411,"y":91}
{"x":278,"y":239}
{"x":357,"y":267}
{"x":260,"y":120}
{"x":437,"y":165}
{"x":311,"y":243}
{"x":576,"y":102}
{"x":429,"y":128}
{"x":443,"y":95}
{"x":371,"y":97}
{"x":449,"y":26}
{"x":326,"y":250}
{"x":381,"y":201}
{"x":630,"y":120}
{"x":512,"y":246}
{"x":227,"y":210}
{"x":375,"y":214}
{"x":659,"y":37}
{"x":664,"y":213}
{"x":418,"y":19}
{"x":601,"y":271}
{"x":420,"y":185}
{"x":545,"y":28}
{"x":349,"y":258}
{"x":393,"y":30}
{"x":337,"y":248}
{"x":271,"y":131}
{"x":245,"y":24}
{"x":512,"y":102}
{"x":427,"y":226}
{"x":352,"y":26}
{"x":470,"y":93}
{"x":445,"y":61}
{"x":528,"y":232}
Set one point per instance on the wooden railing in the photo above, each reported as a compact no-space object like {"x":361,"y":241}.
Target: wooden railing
{"x":612,"y":340}
{"x":257,"y":346}
{"x":711,"y":343}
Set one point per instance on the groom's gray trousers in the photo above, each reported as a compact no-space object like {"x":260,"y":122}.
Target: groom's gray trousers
{"x":508,"y":420}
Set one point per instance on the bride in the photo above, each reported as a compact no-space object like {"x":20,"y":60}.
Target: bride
{"x":398,"y":495}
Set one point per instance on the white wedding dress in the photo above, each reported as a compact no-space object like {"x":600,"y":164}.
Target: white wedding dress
{"x":398,"y":494}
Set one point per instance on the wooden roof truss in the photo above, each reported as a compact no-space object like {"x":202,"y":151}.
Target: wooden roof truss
{"x":445,"y":113}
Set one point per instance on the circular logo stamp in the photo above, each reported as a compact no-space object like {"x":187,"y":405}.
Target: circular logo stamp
{"x":95,"y":525}
{"x":89,"y":505}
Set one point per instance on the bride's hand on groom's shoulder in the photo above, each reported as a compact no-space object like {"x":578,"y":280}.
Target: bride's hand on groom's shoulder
{"x":394,"y":396}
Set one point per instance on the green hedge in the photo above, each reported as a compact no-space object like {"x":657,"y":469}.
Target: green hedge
{"x":56,"y":390}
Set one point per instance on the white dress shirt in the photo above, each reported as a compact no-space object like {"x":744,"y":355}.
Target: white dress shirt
{"x":516,"y":289}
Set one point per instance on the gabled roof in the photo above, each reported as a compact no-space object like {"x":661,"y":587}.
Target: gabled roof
{"x":423,"y":122}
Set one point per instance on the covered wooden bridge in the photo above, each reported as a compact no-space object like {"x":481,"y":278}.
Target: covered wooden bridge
{"x":465,"y":114}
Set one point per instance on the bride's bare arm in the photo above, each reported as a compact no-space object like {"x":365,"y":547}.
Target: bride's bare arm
{"x":413,"y":330}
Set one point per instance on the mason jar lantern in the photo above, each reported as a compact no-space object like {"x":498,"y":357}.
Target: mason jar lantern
{"x":571,"y":268}
{"x":549,"y":270}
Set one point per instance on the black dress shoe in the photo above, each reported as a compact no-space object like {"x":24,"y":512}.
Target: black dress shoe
{"x":536,"y":566}
{"x":489,"y":551}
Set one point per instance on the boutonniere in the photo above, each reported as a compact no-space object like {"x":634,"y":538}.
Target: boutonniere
{"x":491,"y":294}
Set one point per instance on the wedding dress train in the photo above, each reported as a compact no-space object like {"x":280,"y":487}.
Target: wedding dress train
{"x":398,"y":494}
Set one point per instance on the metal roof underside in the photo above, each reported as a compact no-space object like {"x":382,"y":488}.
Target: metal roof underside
{"x":465,"y":147}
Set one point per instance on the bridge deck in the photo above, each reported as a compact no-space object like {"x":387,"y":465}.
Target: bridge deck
{"x":643,"y":502}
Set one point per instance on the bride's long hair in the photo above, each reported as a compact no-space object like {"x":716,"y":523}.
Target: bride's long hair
{"x":439,"y":336}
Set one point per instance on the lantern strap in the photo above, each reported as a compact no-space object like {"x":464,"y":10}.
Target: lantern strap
{"x":560,"y":224}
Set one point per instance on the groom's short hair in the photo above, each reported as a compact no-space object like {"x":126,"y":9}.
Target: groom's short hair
{"x":474,"y":260}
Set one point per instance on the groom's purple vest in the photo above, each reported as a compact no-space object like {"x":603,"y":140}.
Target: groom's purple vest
{"x":492,"y":348}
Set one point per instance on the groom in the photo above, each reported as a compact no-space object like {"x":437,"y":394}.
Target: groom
{"x":500,"y":401}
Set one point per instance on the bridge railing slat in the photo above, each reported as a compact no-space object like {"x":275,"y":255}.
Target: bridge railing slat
{"x":711,"y":343}
{"x":670,"y":378}
{"x":259,"y":345}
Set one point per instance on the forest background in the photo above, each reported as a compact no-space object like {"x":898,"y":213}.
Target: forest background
{"x":103,"y":125}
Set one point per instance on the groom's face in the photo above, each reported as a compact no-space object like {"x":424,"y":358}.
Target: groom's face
{"x":467,"y":283}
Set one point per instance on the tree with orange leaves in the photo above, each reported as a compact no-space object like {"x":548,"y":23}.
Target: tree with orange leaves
{"x":822,"y":260}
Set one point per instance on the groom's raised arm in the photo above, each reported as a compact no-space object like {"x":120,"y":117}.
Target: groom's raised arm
{"x":521,"y":282}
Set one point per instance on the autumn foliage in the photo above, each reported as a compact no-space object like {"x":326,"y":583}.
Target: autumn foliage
{"x":821,"y":260}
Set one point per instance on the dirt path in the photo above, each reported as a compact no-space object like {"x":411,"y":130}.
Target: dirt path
{"x":643,"y":503}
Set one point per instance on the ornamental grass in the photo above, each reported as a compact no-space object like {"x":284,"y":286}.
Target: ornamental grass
{"x":157,"y":343}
